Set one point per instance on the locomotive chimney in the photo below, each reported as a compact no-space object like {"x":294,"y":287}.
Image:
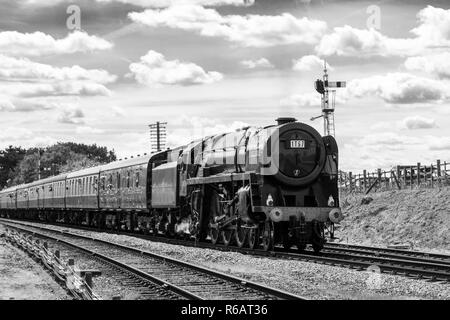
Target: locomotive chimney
{"x":284,"y":120}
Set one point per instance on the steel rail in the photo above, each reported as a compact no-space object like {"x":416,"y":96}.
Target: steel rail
{"x":264,"y":289}
{"x":396,"y":264}
{"x":390,"y":251}
{"x":113,"y":262}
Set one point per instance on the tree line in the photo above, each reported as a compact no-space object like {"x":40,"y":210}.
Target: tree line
{"x":19,"y":165}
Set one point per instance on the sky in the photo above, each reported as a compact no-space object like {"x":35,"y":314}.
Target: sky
{"x":101,"y":71}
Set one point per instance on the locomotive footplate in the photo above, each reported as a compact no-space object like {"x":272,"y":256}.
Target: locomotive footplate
{"x":321,"y":214}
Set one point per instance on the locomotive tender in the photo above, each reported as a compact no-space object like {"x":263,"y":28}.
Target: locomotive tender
{"x":252,"y":187}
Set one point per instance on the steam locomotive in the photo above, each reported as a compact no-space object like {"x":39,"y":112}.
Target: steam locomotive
{"x":254,"y":187}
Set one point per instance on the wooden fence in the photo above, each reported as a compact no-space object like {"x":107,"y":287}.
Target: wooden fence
{"x":399,"y":177}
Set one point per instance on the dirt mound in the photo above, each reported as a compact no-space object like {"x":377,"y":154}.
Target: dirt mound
{"x":419,"y":217}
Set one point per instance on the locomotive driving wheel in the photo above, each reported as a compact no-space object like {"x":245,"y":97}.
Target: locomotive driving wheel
{"x":240,"y":235}
{"x":214,"y":235}
{"x":227,"y":236}
{"x":253,"y":237}
{"x":267,"y":234}
{"x":215,"y":211}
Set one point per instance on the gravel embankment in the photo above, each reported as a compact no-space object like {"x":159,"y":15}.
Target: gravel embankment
{"x":314,"y":281}
{"x":419,"y":218}
{"x":21,"y":278}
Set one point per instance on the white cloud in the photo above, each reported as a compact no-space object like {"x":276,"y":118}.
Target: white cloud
{"x":387,"y":139}
{"x":248,"y":31}
{"x":437,"y":64}
{"x":433,"y":31}
{"x":155,"y":71}
{"x":307,"y":100}
{"x":14,"y":133}
{"x":302,"y":100}
{"x":6,"y":104}
{"x":439,"y":143}
{"x":260,"y":63}
{"x":418,"y":122}
{"x":13,"y":69}
{"x":380,"y":150}
{"x":88,"y":130}
{"x":434,"y":27}
{"x":23,"y":137}
{"x":349,"y":41}
{"x":309,"y":62}
{"x":72,"y":115}
{"x":21,"y":77}
{"x":63,"y":88}
{"x":185,"y":129}
{"x":118,"y":111}
{"x":382,"y":126}
{"x":399,"y":88}
{"x":153,"y":3}
{"x":39,"y":43}
{"x":169,"y":3}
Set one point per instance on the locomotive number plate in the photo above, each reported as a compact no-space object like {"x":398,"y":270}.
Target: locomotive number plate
{"x":297,"y":144}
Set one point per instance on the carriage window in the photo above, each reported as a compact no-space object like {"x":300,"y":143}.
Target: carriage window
{"x":118,"y":180}
{"x":128,"y":179}
{"x":137,"y":179}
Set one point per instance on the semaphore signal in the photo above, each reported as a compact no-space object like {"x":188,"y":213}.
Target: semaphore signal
{"x":322,"y":87}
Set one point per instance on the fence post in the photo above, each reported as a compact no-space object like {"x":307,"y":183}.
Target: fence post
{"x":405,"y":176}
{"x":379,"y":177}
{"x":350,"y":180}
{"x":411,"y":177}
{"x":445,"y":171}
{"x":431,"y":176}
{"x":365,"y":179}
{"x":438,"y":166}
{"x":418,"y":174}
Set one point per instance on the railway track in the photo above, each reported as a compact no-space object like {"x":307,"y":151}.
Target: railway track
{"x":389,"y":252}
{"x":391,"y":261}
{"x":187,"y":280}
{"x":114,"y":281}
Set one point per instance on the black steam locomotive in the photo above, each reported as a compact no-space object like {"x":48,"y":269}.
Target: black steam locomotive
{"x":254,"y":187}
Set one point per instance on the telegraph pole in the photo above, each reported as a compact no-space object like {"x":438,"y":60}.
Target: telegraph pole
{"x":322,"y":87}
{"x":39,"y":164}
{"x":158,"y":135}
